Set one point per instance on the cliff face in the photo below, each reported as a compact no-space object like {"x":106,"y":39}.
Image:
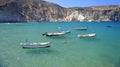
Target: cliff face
{"x":10,"y":12}
{"x":42,"y":11}
{"x":103,"y":13}
{"x":38,"y":11}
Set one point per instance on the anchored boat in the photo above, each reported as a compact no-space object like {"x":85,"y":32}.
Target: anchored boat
{"x":87,"y":35}
{"x":59,"y":30}
{"x":35,"y":45}
{"x":54,"y":34}
{"x":68,"y":31}
{"x":109,"y":26}
{"x":81,"y":28}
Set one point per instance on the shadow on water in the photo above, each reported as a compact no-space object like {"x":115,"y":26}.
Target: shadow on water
{"x":40,"y":51}
{"x":2,"y":64}
{"x":58,"y":37}
{"x":117,"y":64}
{"x":90,"y":39}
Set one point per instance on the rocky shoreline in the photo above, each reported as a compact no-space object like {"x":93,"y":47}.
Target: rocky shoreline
{"x":42,"y":11}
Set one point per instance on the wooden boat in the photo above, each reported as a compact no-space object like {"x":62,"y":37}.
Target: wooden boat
{"x":87,"y":35}
{"x":54,"y":34}
{"x":35,"y":45}
{"x":81,"y":28}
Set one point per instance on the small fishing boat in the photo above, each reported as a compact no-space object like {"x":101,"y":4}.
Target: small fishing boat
{"x":68,"y":31}
{"x":59,"y":30}
{"x":35,"y":45}
{"x":81,"y":28}
{"x":54,"y":34}
{"x":109,"y":26}
{"x":87,"y":35}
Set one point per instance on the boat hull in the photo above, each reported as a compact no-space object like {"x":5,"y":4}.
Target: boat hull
{"x":86,"y":35}
{"x":81,"y":28}
{"x":36,"y":45}
{"x":54,"y":34}
{"x":27,"y":46}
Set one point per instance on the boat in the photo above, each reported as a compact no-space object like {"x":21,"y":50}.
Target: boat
{"x":109,"y":26}
{"x":68,"y":31}
{"x":81,"y":28}
{"x":87,"y":35}
{"x":59,"y":30}
{"x":54,"y":34}
{"x":35,"y":45}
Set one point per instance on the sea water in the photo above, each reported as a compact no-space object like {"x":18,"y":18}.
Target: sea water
{"x":103,"y":50}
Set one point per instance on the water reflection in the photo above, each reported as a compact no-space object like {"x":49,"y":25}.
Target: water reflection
{"x":91,"y":39}
{"x":41,"y":51}
{"x":2,"y":64}
{"x":57,"y":37}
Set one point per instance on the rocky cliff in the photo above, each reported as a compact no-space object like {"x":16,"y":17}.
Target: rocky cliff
{"x":39,"y":11}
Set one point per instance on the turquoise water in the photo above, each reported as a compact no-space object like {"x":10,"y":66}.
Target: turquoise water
{"x":65,"y":51}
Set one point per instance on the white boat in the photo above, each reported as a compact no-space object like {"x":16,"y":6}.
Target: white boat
{"x":87,"y":35}
{"x":54,"y":34}
{"x":58,"y":33}
{"x":59,"y":30}
{"x":35,"y":45}
{"x":81,"y":28}
{"x":68,"y":31}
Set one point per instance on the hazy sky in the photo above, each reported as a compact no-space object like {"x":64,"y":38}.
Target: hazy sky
{"x":84,"y":3}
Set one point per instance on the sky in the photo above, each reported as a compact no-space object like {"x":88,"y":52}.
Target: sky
{"x":84,"y":3}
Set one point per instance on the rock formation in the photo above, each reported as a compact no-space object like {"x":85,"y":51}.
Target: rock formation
{"x":42,"y":11}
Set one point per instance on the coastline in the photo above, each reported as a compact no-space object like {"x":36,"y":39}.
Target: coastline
{"x":43,"y":11}
{"x":59,"y":22}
